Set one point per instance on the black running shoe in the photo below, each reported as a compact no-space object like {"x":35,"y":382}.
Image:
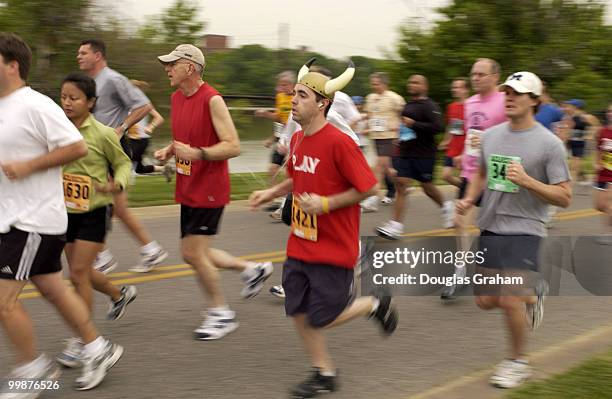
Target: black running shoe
{"x":314,"y":385}
{"x":386,"y":314}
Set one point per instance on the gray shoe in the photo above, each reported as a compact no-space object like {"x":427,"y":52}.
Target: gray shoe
{"x":95,"y":368}
{"x":117,"y":309}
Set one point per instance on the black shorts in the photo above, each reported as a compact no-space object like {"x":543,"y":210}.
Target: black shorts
{"x":420,"y":169}
{"x":384,"y":147}
{"x":320,"y":291}
{"x":463,"y":188}
{"x":448,"y":162}
{"x":90,"y":226}
{"x":200,"y":221}
{"x":24,"y":255}
{"x":277,"y":158}
{"x":576,"y":148}
{"x":601,"y":185}
{"x":509,"y":252}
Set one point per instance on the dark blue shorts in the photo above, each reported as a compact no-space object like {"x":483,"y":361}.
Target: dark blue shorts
{"x":448,"y":161}
{"x":420,"y":169}
{"x":576,"y":148}
{"x":509,"y":252}
{"x":320,"y":291}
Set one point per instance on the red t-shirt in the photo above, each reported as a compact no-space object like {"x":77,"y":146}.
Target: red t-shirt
{"x":327,"y":163}
{"x":201,"y":184}
{"x":605,"y":150}
{"x":454,"y":122}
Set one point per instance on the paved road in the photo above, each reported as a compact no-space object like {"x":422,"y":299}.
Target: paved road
{"x":434,"y":344}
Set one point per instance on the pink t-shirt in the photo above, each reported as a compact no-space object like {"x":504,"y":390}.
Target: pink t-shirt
{"x":480,"y":113}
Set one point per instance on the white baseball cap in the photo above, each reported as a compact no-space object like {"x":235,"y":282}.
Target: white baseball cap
{"x":186,"y":51}
{"x":523,"y":82}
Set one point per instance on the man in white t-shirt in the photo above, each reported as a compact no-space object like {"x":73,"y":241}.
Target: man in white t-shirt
{"x":36,"y":138}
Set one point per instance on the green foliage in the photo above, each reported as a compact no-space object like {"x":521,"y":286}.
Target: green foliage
{"x":565,"y":42}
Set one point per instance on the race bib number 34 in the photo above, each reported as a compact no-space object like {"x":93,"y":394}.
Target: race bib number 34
{"x":303,"y":225}
{"x":497,"y":165}
{"x":183,"y":167}
{"x":77,"y":190}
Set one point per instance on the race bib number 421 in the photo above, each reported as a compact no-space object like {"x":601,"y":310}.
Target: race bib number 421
{"x":497,"y":166}
{"x":77,"y":190}
{"x":303,"y":225}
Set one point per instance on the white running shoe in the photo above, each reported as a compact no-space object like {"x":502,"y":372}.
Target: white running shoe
{"x":254,"y":279}
{"x":387,"y":201}
{"x":150,"y":262}
{"x":511,"y":373}
{"x":370,"y":204}
{"x":277,"y":291}
{"x":391,"y":230}
{"x":448,"y":214}
{"x":47,"y":372}
{"x":277,"y":215}
{"x":105,"y":264}
{"x":216,"y":325}
{"x":71,"y":356}
{"x":535,"y":312}
{"x":96,"y":367}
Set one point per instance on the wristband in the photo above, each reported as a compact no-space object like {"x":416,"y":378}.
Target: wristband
{"x":325,"y":204}
{"x":203,"y":154}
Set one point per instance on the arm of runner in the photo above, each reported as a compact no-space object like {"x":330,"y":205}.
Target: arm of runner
{"x":229,"y":144}
{"x":121,"y":164}
{"x":157,"y":121}
{"x":473,"y":191}
{"x":257,"y":198}
{"x":313,"y":204}
{"x":165,"y":153}
{"x":264,"y":113}
{"x":60,"y":156}
{"x":559,"y":194}
{"x":134,"y":117}
{"x":433,"y":124}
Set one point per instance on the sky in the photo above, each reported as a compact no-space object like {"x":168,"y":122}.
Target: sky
{"x":336,"y":28}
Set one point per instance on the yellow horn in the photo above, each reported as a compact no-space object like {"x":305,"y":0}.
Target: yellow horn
{"x":341,"y":81}
{"x":305,"y":68}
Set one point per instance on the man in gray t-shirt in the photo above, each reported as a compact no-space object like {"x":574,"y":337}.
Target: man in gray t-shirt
{"x":119,"y":105}
{"x":523,"y":170}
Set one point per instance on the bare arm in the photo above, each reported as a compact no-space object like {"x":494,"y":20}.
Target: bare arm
{"x":229,"y":144}
{"x":260,"y":197}
{"x":134,"y":117}
{"x":554,"y":194}
{"x":156,"y":121}
{"x":59,"y":156}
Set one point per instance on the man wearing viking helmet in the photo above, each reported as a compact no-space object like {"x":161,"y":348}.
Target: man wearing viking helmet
{"x":328,"y":176}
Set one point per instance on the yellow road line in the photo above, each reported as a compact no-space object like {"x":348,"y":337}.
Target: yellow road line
{"x":279,"y":256}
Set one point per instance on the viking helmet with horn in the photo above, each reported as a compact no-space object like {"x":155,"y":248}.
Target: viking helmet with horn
{"x":323,"y":85}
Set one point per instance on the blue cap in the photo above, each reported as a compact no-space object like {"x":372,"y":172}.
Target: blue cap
{"x":575,"y":102}
{"x":357,"y":100}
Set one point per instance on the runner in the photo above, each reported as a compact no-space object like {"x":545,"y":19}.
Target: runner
{"x":603,"y":166}
{"x":519,"y":179}
{"x":119,"y":105}
{"x":577,"y":140}
{"x":140,"y":136}
{"x":35,"y":140}
{"x":483,"y":110}
{"x":328,"y":176}
{"x":204,"y":139}
{"x":284,"y":89}
{"x":421,"y":120}
{"x":384,"y":108}
{"x":454,"y":139}
{"x":88,"y":194}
